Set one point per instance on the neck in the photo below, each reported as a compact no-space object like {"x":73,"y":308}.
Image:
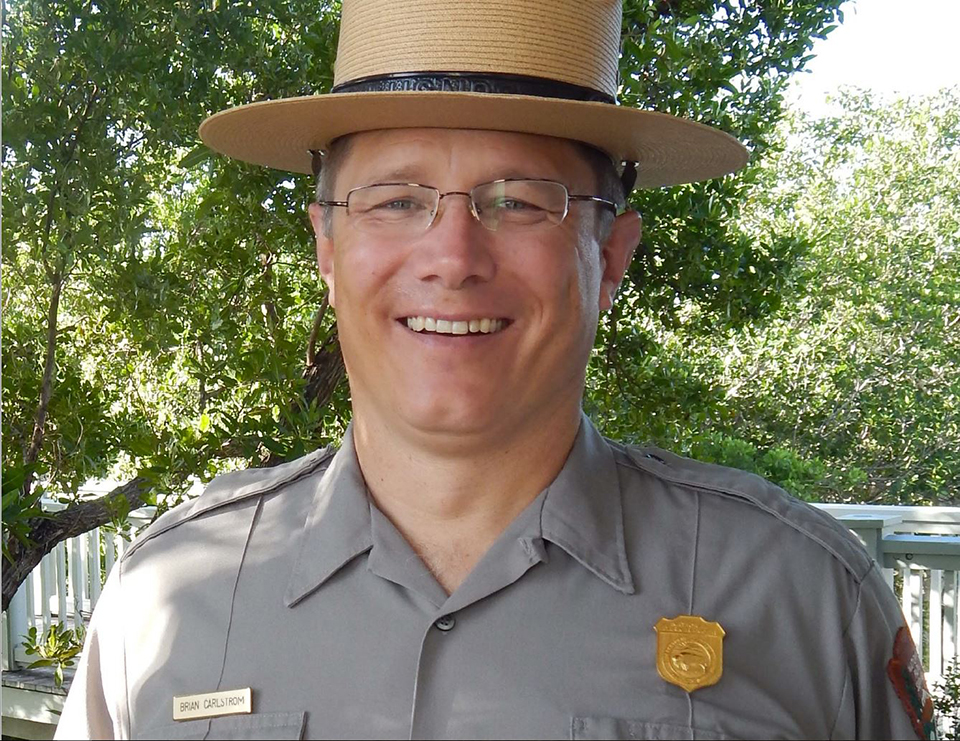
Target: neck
{"x":452,"y":502}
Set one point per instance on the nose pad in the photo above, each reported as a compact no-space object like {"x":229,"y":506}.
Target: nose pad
{"x":471,"y":206}
{"x":455,"y":252}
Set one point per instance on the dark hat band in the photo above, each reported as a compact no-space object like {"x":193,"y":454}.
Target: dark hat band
{"x":473,"y":82}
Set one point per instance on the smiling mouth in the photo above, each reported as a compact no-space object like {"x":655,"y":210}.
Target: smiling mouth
{"x":446,"y":326}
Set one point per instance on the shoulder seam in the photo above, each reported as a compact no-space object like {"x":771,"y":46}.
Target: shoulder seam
{"x":266,"y":488}
{"x":846,"y":631}
{"x":747,"y":499}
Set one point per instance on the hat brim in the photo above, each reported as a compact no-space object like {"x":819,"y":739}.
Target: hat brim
{"x":281,"y":133}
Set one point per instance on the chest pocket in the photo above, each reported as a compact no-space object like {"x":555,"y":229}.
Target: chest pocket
{"x":624,"y":728}
{"x":254,"y":726}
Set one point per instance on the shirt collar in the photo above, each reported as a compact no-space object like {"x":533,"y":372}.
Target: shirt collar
{"x":337,"y":528}
{"x":581,"y":512}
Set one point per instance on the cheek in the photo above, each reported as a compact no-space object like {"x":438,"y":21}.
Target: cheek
{"x":567,"y":266}
{"x":361,"y":274}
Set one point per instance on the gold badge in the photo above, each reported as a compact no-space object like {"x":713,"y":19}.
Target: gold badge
{"x":689,"y":651}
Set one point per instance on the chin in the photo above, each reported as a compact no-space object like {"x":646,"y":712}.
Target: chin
{"x":449,"y":416}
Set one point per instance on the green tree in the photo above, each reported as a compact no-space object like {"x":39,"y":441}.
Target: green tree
{"x":850,"y":389}
{"x":162,"y":318}
{"x":158,"y":306}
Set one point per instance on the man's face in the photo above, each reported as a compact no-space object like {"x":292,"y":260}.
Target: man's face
{"x":544,"y":287}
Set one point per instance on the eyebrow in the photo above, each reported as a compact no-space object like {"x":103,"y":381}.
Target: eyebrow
{"x":407,"y":174}
{"x":512,"y":174}
{"x":399,"y":175}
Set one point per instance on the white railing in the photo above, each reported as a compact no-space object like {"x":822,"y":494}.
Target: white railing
{"x":66,"y":584}
{"x":918,"y":547}
{"x":919,"y":550}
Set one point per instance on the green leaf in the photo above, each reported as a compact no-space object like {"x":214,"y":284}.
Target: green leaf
{"x":195,"y":157}
{"x":273,"y":446}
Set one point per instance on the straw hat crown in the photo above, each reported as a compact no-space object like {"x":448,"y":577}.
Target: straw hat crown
{"x":544,"y":67}
{"x":565,"y":40}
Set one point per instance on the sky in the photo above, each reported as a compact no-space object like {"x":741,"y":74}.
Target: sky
{"x":890,"y":46}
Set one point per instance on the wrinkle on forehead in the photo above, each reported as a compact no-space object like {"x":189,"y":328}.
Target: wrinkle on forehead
{"x":461,"y":156}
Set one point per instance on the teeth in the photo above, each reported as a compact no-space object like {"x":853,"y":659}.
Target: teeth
{"x":445,"y":326}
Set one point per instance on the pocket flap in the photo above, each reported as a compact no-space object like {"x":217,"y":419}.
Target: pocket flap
{"x":626,"y":728}
{"x":286,"y":726}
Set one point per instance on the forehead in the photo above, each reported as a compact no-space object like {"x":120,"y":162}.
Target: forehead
{"x":461,"y":154}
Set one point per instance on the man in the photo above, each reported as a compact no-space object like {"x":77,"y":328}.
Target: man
{"x":476,"y":561}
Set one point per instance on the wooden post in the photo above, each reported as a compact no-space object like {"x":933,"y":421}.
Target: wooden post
{"x":935,"y":632}
{"x":31,"y":599}
{"x":77,"y":578}
{"x":46,"y":589}
{"x":60,"y":556}
{"x":109,"y":551}
{"x":950,"y":613}
{"x":871,"y":529}
{"x":95,"y":583}
{"x":912,"y":602}
{"x":17,"y":625}
{"x":7,"y":649}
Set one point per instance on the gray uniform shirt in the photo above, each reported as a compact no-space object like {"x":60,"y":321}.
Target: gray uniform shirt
{"x":291,"y":582}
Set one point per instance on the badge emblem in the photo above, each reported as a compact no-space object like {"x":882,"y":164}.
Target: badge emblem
{"x":689,"y":651}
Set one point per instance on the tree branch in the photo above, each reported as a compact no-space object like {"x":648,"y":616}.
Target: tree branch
{"x":269,"y":308}
{"x":45,"y":532}
{"x":71,"y":148}
{"x":57,"y":277}
{"x":315,"y":330}
{"x":323,"y":376}
{"x":46,"y":387}
{"x":201,"y":378}
{"x":326,"y":372}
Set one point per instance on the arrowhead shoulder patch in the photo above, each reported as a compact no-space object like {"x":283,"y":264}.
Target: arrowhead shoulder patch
{"x":906,"y":672}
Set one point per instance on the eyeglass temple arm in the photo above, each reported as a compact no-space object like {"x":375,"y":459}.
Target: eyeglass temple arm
{"x":628,"y":178}
{"x":594,"y":199}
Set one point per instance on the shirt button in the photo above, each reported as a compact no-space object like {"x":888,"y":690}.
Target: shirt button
{"x":445,"y":623}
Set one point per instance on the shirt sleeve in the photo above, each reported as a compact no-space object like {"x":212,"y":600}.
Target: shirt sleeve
{"x":96,"y":706}
{"x":886,"y":694}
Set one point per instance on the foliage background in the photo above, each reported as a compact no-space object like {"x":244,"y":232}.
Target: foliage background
{"x":162,"y":319}
{"x":844,"y":384}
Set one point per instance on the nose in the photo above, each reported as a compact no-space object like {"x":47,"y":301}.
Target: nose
{"x":455,"y":251}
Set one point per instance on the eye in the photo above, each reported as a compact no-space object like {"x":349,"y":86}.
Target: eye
{"x":514,"y":204}
{"x":509,"y":204}
{"x":399,"y":204}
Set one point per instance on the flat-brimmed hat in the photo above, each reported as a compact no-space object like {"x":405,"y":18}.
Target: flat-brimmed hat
{"x":545,"y":67}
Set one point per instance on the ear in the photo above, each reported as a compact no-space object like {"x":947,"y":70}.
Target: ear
{"x":324,"y":250}
{"x":616,"y":253}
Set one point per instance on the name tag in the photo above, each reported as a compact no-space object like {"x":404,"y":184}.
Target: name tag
{"x":212,"y":704}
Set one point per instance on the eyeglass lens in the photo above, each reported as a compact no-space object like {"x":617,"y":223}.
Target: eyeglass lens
{"x":409,"y":209}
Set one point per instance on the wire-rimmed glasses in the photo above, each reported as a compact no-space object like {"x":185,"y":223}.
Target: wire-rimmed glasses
{"x":510,"y":204}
